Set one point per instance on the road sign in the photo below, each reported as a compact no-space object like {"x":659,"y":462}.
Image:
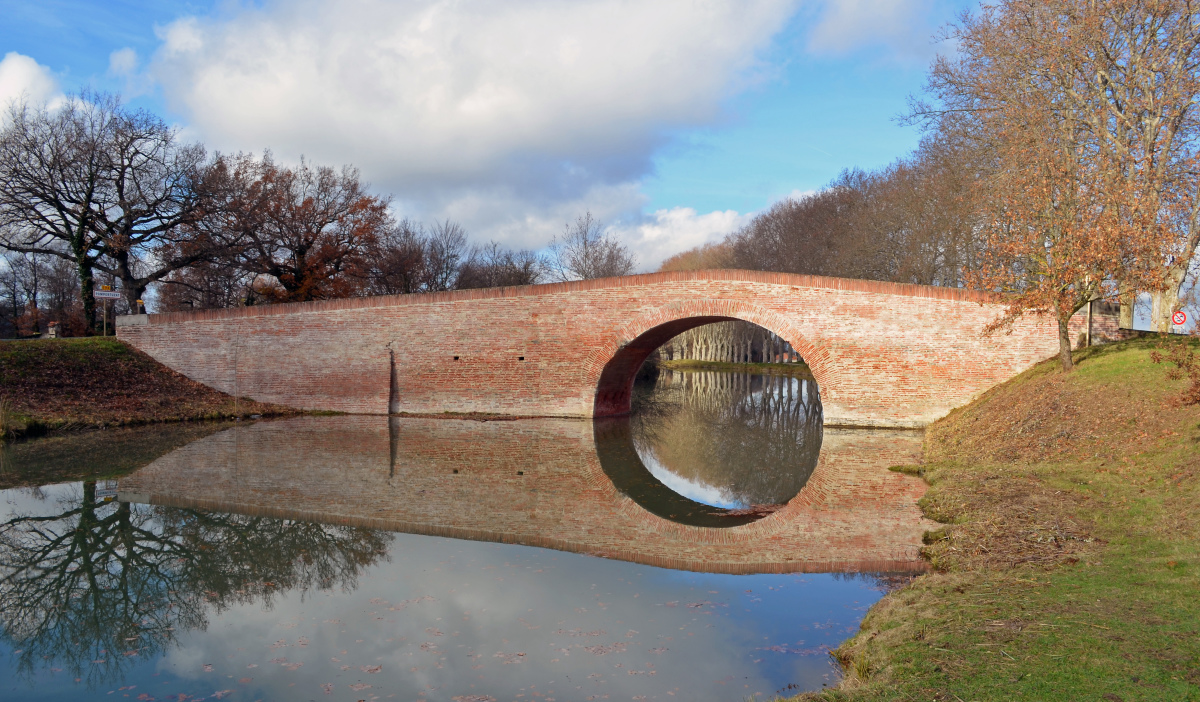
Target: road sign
{"x":106,"y":295}
{"x":1179,"y":318}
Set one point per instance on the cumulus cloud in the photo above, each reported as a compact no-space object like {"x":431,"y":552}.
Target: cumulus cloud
{"x":901,"y":25}
{"x":433,"y":90}
{"x":123,"y":62}
{"x":22,"y":78}
{"x":510,"y":117}
{"x":668,"y":232}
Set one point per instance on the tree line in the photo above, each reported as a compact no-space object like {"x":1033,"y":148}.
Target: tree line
{"x":93,"y":193}
{"x":1058,"y":165}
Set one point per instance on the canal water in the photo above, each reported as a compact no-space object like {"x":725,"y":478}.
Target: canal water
{"x":359,"y":558}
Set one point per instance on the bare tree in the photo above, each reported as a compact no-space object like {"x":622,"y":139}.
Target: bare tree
{"x":103,"y":186}
{"x":494,"y":266}
{"x":396,"y":263}
{"x":706,"y":257}
{"x":52,"y":170}
{"x":205,"y":285}
{"x":445,"y":249}
{"x":585,"y":251}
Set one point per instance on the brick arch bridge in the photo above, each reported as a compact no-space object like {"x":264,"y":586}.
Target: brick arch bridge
{"x":883,"y":354}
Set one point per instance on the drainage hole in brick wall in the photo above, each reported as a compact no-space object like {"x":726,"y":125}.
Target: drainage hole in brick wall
{"x":456,"y":358}
{"x":520,"y":358}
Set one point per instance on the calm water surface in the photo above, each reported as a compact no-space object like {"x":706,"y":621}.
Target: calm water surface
{"x":302,"y":559}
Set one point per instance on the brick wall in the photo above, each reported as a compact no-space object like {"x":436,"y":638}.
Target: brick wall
{"x":883,"y":354}
{"x":459,"y":478}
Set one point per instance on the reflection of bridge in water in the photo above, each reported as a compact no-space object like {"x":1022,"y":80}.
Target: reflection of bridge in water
{"x":539,"y":483}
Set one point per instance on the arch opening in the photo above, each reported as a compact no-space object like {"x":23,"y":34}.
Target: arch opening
{"x":723,"y":426}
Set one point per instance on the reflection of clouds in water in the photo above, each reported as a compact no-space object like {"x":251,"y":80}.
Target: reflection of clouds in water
{"x":728,"y":440}
{"x":505,"y":620}
{"x":691,"y":489}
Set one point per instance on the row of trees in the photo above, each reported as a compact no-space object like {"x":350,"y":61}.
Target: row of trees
{"x":114,"y":195}
{"x":729,"y":342}
{"x":908,"y":222}
{"x":1059,"y":165}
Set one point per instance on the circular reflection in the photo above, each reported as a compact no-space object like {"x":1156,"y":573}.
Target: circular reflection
{"x":714,"y":448}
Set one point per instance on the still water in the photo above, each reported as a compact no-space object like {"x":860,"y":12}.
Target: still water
{"x":356,"y":558}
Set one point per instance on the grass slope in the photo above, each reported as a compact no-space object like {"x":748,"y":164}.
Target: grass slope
{"x":57,"y":384}
{"x":1069,"y":564}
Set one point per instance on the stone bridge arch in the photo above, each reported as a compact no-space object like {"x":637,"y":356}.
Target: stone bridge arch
{"x":616,"y":361}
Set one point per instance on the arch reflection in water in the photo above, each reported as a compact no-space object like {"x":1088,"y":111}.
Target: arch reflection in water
{"x":541,"y":483}
{"x":715,"y":448}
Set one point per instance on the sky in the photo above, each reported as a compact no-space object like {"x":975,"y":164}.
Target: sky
{"x":673,"y":122}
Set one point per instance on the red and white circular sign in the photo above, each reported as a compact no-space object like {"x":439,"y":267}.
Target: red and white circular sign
{"x":1179,"y":318}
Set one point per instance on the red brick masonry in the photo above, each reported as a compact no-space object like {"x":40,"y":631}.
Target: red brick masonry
{"x":883,"y":354}
{"x":460,"y":479}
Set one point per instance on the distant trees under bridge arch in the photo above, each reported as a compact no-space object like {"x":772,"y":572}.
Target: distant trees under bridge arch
{"x":729,"y":342}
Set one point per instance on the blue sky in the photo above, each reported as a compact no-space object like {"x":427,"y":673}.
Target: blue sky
{"x":673,"y":122}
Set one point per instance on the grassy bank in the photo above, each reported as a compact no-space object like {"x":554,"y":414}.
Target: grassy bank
{"x":799,"y":370}
{"x":63,"y":384}
{"x":1069,"y":564}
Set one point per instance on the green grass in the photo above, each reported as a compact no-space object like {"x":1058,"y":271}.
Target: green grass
{"x":1068,"y":566}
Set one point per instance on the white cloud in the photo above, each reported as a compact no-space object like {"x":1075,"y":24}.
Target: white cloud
{"x":22,"y":78}
{"x":510,"y":117}
{"x":902,"y":25}
{"x":505,"y":217}
{"x":678,"y":229}
{"x":123,"y":62}
{"x":440,"y":90}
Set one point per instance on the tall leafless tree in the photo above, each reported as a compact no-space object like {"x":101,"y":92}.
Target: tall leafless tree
{"x":494,"y":266}
{"x":109,"y":188}
{"x":586,"y":251}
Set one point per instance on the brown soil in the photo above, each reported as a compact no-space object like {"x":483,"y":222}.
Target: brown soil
{"x":89,"y":383}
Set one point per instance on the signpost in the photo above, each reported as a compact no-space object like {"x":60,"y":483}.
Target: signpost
{"x":1179,"y":318}
{"x":106,"y":293}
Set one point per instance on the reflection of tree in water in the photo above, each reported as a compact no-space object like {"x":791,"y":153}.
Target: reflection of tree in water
{"x":755,"y":438}
{"x":98,"y":584}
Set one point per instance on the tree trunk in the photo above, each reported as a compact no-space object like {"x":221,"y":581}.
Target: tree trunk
{"x":1064,"y":342}
{"x":1127,"y":298}
{"x":87,"y":285}
{"x":1165,"y":302}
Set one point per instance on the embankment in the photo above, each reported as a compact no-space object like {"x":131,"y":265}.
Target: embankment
{"x":63,"y":384}
{"x":1069,"y":564}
